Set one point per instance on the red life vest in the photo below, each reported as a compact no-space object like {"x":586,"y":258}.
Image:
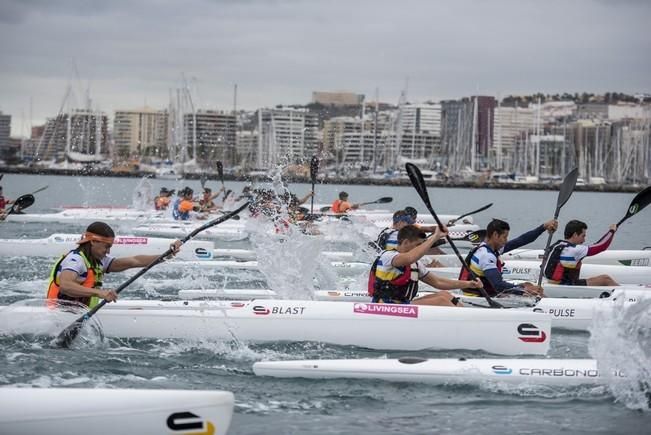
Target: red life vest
{"x":335,"y":206}
{"x":555,"y":271}
{"x":403,"y":287}
{"x":3,"y":203}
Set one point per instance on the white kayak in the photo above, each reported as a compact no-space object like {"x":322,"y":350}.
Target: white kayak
{"x":101,"y":411}
{"x":611,"y":257}
{"x":123,"y":246}
{"x":375,"y":326}
{"x":568,"y":314}
{"x":247,"y":254}
{"x":342,"y":268}
{"x":561,"y":372}
{"x":226,"y":233}
{"x":87,"y":215}
{"x":529,"y":270}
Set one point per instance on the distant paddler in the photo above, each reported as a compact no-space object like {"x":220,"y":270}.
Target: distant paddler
{"x":485,"y":261}
{"x":77,"y":275}
{"x":564,"y":261}
{"x":206,"y":203}
{"x":163,"y":199}
{"x":342,"y":205}
{"x":183,"y":205}
{"x":395,"y":274}
{"x":4,"y":202}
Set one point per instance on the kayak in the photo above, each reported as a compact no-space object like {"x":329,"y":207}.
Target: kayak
{"x":529,"y":270}
{"x":89,"y":215}
{"x":123,"y":246}
{"x":101,"y":411}
{"x":567,"y":314}
{"x":374,"y":326}
{"x":610,"y":257}
{"x":554,"y":372}
{"x":341,"y":267}
{"x":231,"y":233}
{"x":247,"y":254}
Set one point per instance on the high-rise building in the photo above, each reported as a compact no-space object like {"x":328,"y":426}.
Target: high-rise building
{"x":285,"y":133}
{"x":421,"y":118}
{"x":511,"y":126}
{"x":457,"y":120}
{"x":214,"y":137}
{"x":346,"y":140}
{"x":5,"y":131}
{"x":140,"y":132}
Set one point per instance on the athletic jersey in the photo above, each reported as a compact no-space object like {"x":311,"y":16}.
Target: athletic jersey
{"x":74,"y":262}
{"x":388,"y":240}
{"x":387,"y":272}
{"x":564,"y":262}
{"x":181,"y":209}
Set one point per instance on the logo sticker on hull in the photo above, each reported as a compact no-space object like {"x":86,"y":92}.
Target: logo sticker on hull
{"x":182,"y":422}
{"x":130,"y":241}
{"x":387,"y":310}
{"x":501,"y":370}
{"x":260,"y":310}
{"x":530,"y":333}
{"x":203,"y":253}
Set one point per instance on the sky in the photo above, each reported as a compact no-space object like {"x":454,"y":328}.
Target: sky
{"x":128,"y":53}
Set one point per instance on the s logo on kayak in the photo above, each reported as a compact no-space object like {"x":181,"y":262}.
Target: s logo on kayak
{"x":184,"y":421}
{"x":202,"y":253}
{"x":501,"y":370}
{"x":530,"y":333}
{"x":260,"y":310}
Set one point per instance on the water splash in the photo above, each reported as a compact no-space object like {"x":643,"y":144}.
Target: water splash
{"x":621,"y":343}
{"x":142,"y":196}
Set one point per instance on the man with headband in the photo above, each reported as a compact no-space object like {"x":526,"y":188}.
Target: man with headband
{"x":77,"y":276}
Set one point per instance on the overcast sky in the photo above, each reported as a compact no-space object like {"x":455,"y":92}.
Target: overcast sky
{"x":278,"y":51}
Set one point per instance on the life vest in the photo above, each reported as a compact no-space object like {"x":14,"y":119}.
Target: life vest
{"x":402,"y":288}
{"x":383,"y":238}
{"x":335,"y":206}
{"x":93,"y":280}
{"x":554,"y":269}
{"x":181,"y":209}
{"x":465,"y":274}
{"x":3,"y":203}
{"x":161,"y":202}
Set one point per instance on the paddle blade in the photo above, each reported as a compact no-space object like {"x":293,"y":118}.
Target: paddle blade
{"x":384,"y":200}
{"x":220,"y":171}
{"x":325,"y":209}
{"x":68,"y":335}
{"x":314,"y":168}
{"x":22,"y":203}
{"x":566,"y":189}
{"x":640,"y":201}
{"x":418,"y":182}
{"x":475,"y":237}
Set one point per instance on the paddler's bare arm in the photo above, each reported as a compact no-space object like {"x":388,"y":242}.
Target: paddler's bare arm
{"x":405,"y":258}
{"x":449,"y":284}
{"x":69,"y":286}
{"x":124,"y":263}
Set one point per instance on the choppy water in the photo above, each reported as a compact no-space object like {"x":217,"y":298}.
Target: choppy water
{"x":265,"y":405}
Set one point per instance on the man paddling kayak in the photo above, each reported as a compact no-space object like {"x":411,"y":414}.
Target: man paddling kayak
{"x":485,"y":262}
{"x":77,"y":276}
{"x":342,"y":205}
{"x":395,"y":274}
{"x":564,"y":261}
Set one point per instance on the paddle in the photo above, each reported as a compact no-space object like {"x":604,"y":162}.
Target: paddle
{"x":640,"y":201}
{"x":383,"y":200}
{"x":67,"y":336}
{"x":18,"y":205}
{"x":39,"y":190}
{"x":567,"y":187}
{"x":473,"y":237}
{"x":453,"y":221}
{"x":314,"y":169}
{"x":418,"y":182}
{"x":203,"y":179}
{"x":220,"y":172}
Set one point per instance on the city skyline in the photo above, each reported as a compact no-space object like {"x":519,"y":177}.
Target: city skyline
{"x":278,"y":52}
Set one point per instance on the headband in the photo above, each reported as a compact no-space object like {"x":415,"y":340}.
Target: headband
{"x":88,"y":237}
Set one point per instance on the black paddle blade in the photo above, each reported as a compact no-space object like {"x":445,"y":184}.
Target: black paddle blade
{"x":418,"y":182}
{"x":314,"y":168}
{"x":566,"y":189}
{"x":640,"y":201}
{"x":384,"y":200}
{"x":68,"y":335}
{"x":475,"y":236}
{"x":22,"y":203}
{"x":325,"y":209}
{"x":220,"y":171}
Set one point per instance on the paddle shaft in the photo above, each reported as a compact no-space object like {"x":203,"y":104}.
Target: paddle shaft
{"x":314,"y":168}
{"x":66,"y":337}
{"x":453,"y":221}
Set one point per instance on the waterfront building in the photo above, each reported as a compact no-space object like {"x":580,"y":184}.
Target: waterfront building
{"x":214,"y":137}
{"x":140,"y":132}
{"x":457,"y":126}
{"x":5,"y":132}
{"x":511,"y":125}
{"x":285,"y":135}
{"x":337,"y":98}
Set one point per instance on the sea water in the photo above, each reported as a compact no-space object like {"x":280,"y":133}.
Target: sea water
{"x":281,"y":406}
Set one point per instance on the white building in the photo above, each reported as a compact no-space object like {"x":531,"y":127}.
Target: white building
{"x":511,"y":125}
{"x":285,"y":133}
{"x":140,"y":132}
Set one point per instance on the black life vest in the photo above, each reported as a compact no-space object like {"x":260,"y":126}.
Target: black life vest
{"x":465,"y":274}
{"x":402,"y":288}
{"x":554,"y":270}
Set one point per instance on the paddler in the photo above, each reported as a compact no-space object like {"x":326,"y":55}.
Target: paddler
{"x":563,"y":264}
{"x":342,"y":205}
{"x":162,"y":201}
{"x":394,"y":276}
{"x":77,"y":276}
{"x":183,"y":205}
{"x":485,"y":262}
{"x":206,"y":202}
